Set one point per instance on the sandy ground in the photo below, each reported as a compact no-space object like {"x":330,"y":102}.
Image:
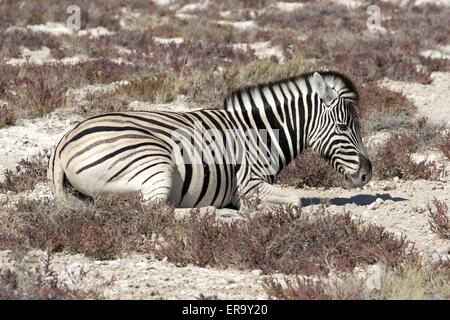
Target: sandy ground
{"x":141,"y":277}
{"x":430,"y":99}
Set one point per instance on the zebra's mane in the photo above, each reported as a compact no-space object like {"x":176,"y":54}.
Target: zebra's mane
{"x":335,"y":79}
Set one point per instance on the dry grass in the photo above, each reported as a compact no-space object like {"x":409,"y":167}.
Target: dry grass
{"x":338,"y":36}
{"x":314,"y":289}
{"x":439,"y":219}
{"x":262,"y":71}
{"x":383,"y":109}
{"x":411,"y":281}
{"x":42,"y":283}
{"x":281,"y":240}
{"x":103,"y":230}
{"x":47,"y":91}
{"x":6,"y":116}
{"x":27,"y":174}
{"x":12,"y":43}
{"x":156,"y":89}
{"x":394,"y":159}
{"x":284,"y":241}
{"x":49,"y":84}
{"x":309,"y":170}
{"x":414,"y":282}
{"x":444,"y":146}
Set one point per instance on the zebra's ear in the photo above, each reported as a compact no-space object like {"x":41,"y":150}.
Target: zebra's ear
{"x":322,"y":88}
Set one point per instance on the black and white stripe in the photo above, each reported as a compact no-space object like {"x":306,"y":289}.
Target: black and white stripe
{"x":212,"y":157}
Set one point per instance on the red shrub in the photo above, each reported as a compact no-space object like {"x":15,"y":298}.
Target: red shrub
{"x":394,"y":159}
{"x":439,"y":219}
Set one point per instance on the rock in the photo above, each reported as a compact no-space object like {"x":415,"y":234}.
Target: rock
{"x":436,"y":257}
{"x":375,"y":205}
{"x":257,"y":272}
{"x":396,"y":180}
{"x":389,"y":186}
{"x":114,"y":263}
{"x":373,"y":281}
{"x":75,"y":271}
{"x":444,"y":249}
{"x":141,"y":264}
{"x":227,"y":213}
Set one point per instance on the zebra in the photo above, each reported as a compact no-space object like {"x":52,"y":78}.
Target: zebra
{"x":183,"y":158}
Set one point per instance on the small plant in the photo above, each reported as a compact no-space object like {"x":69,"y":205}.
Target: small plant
{"x":42,"y":283}
{"x":48,"y":94}
{"x":309,"y":170}
{"x":6,"y":116}
{"x":394,"y":159}
{"x":380,"y":108}
{"x":103,"y":229}
{"x":439,"y":219}
{"x":283,"y":240}
{"x":299,"y":289}
{"x":441,"y":269}
{"x":314,"y":289}
{"x":27,"y":174}
{"x":444,"y":146}
{"x":266,"y":70}
{"x":156,"y":89}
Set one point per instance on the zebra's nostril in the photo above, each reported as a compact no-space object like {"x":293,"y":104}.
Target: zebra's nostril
{"x":363,"y":178}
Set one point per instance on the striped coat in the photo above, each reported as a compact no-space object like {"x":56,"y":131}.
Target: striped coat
{"x":213,"y":157}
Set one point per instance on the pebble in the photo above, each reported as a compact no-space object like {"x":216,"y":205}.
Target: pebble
{"x":389,"y":186}
{"x":114,"y":263}
{"x":141,"y":264}
{"x":76,"y":271}
{"x":257,"y":272}
{"x":373,"y":281}
{"x":375,"y":205}
{"x":398,"y":234}
{"x":445,"y":249}
{"x":232,"y":286}
{"x":435,"y":257}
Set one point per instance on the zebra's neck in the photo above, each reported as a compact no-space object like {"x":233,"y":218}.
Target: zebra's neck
{"x":283,"y":109}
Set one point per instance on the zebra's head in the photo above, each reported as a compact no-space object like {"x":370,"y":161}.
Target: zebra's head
{"x":336,"y":134}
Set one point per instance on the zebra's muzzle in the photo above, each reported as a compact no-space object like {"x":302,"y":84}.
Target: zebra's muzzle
{"x":362,"y":176}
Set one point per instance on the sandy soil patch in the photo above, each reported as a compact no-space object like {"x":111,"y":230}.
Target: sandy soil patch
{"x":430,"y":99}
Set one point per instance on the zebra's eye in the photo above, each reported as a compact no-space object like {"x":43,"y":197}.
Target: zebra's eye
{"x":342,"y":126}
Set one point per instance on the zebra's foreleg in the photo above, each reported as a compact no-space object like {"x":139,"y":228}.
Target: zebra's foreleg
{"x":279,"y":195}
